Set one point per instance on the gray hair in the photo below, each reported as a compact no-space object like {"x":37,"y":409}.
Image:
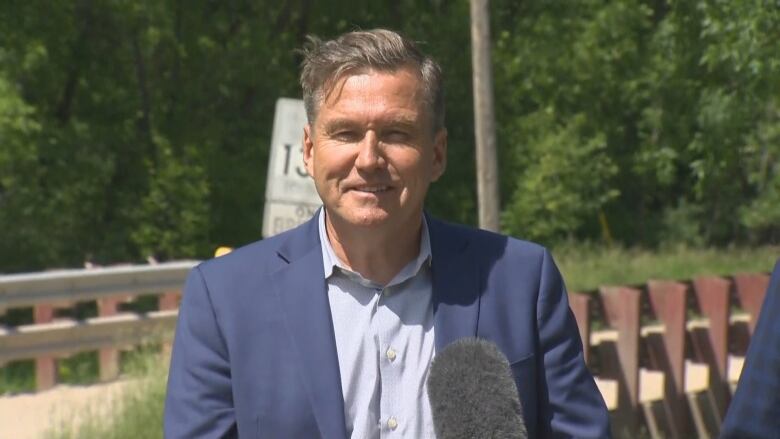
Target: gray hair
{"x":325,"y":62}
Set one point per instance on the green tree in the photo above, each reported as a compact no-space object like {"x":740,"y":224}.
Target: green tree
{"x":136,"y":128}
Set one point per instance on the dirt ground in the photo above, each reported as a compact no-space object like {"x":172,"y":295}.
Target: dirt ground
{"x":30,"y":415}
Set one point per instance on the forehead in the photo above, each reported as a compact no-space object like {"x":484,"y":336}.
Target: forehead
{"x":368,"y":92}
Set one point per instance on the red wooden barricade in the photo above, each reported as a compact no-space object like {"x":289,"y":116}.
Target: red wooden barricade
{"x":673,"y":348}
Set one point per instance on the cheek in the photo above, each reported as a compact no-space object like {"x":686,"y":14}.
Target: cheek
{"x":415,"y":168}
{"x":331,"y":166}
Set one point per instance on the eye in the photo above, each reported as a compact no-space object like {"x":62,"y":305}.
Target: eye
{"x":346,"y":136}
{"x":396,"y":136}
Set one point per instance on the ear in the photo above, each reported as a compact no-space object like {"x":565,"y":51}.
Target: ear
{"x":439,"y":154}
{"x":308,"y":150}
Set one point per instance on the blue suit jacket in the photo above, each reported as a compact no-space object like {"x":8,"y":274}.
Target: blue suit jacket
{"x":255,"y":354}
{"x":755,"y":410}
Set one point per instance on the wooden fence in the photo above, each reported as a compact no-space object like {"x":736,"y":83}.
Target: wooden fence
{"x":666,"y":355}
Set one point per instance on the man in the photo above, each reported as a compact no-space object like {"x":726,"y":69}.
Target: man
{"x":328,"y":330}
{"x":755,"y":410}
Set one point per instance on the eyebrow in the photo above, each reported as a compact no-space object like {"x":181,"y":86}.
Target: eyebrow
{"x":400,"y":121}
{"x":337,"y":124}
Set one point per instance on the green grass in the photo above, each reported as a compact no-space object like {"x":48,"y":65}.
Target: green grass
{"x":19,"y":376}
{"x":81,"y":368}
{"x":136,"y":413}
{"x":586,"y":268}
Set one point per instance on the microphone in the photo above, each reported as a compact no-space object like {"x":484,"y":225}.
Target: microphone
{"x":472,"y":393}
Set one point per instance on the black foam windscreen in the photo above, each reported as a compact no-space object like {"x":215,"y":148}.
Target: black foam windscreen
{"x":472,"y":393}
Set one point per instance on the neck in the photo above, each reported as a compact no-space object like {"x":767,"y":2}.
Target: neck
{"x":378,"y":254}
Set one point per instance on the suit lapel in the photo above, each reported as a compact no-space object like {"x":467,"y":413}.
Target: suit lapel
{"x":455,"y":284}
{"x":302,"y":290}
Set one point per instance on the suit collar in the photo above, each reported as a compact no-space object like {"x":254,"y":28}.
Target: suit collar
{"x":455,"y":271}
{"x":331,"y":261}
{"x":302,"y":289}
{"x":298,"y":242}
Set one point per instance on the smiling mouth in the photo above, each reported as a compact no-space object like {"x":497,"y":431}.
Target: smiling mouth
{"x":372,"y":189}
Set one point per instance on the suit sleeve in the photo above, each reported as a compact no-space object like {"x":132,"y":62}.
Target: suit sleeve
{"x":199,"y":401}
{"x":754,"y":411}
{"x":575,"y":407}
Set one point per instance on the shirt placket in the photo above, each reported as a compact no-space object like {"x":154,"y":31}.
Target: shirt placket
{"x":390,"y":368}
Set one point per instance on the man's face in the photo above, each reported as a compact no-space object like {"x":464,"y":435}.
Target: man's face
{"x":372,"y":150}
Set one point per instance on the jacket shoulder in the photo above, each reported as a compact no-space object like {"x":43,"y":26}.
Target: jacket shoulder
{"x":484,"y":240}
{"x":256,"y":258}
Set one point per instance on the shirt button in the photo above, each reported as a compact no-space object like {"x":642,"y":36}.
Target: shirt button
{"x":392,"y":424}
{"x":391,"y":354}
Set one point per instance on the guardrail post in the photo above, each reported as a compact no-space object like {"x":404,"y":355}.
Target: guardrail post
{"x":668,"y":303}
{"x":751,"y":289}
{"x":621,"y":311}
{"x":45,"y":365}
{"x":712,"y":295}
{"x":108,"y":357}
{"x":580,"y":306}
{"x":168,"y":301}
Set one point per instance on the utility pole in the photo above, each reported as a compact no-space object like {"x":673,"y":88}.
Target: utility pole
{"x":484,"y":117}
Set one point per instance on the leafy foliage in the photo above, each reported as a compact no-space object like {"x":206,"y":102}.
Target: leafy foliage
{"x":135,"y":128}
{"x":685,"y":96}
{"x":560,"y":186}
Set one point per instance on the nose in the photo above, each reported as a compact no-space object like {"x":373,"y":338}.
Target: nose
{"x":369,"y":153}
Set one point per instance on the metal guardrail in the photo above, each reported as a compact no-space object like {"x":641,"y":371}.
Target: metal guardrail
{"x":65,"y":337}
{"x":52,"y":337}
{"x":72,"y":285}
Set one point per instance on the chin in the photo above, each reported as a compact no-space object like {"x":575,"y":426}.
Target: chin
{"x":369,"y":220}
{"x":366,"y":217}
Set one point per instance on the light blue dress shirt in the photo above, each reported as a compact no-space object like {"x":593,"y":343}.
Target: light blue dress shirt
{"x":385,"y":344}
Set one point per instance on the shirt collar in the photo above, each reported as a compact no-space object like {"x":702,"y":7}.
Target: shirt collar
{"x":331,"y":261}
